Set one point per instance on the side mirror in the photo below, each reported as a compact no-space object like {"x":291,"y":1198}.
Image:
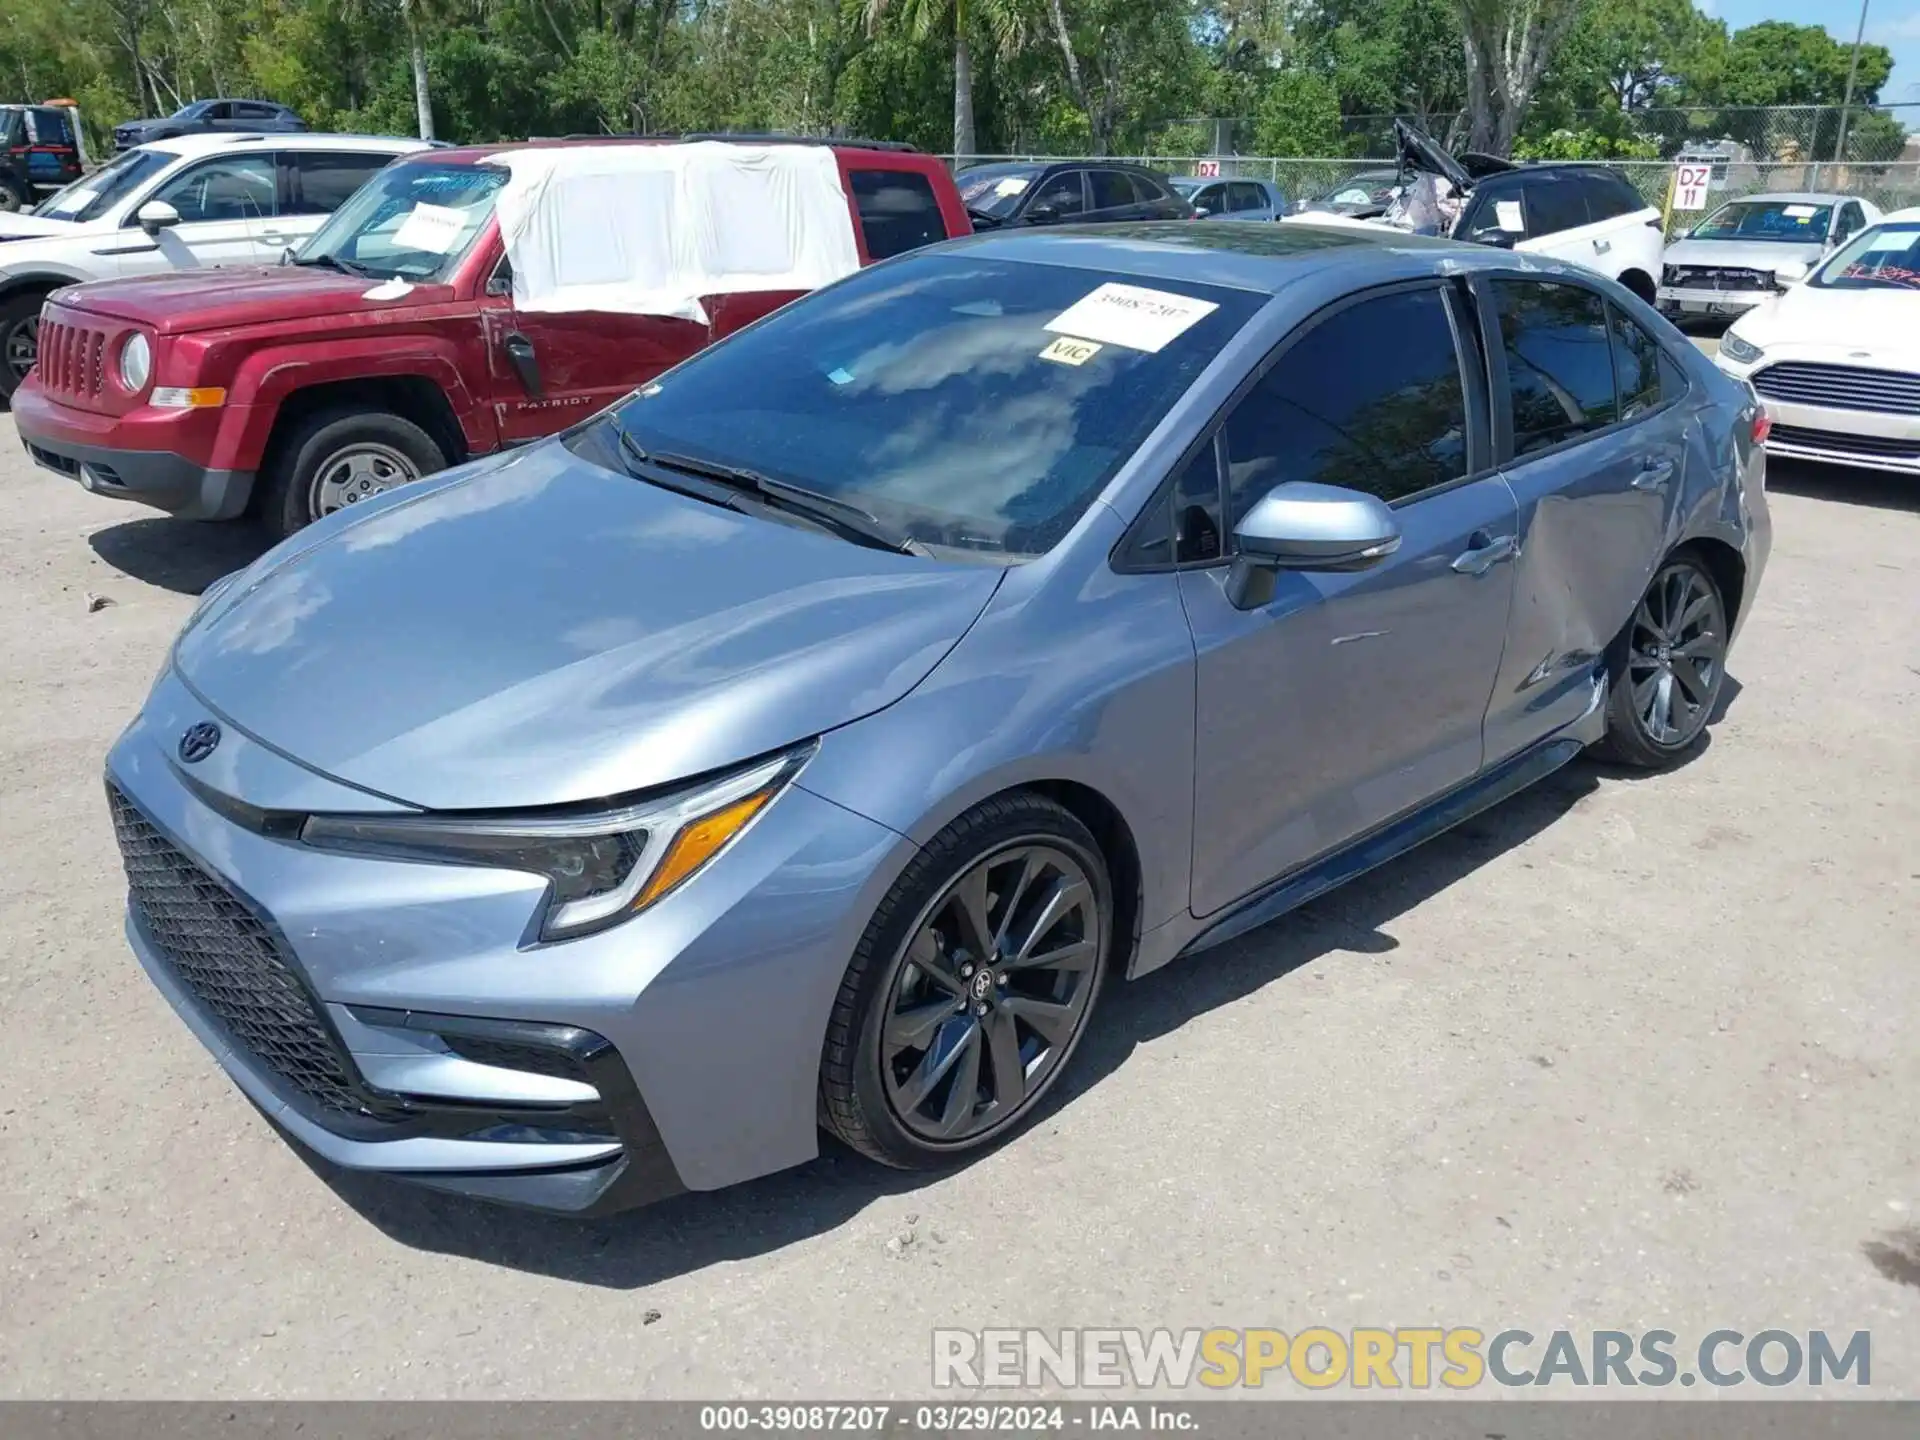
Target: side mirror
{"x":155,"y":216}
{"x":1494,"y":235}
{"x":1202,"y":211}
{"x":1043,"y":214}
{"x":1304,"y":526}
{"x":1790,"y":272}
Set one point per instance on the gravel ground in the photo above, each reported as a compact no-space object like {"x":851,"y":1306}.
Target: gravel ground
{"x":1624,"y":1052}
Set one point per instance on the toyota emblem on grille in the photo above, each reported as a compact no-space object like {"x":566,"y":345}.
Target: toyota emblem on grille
{"x":199,"y":742}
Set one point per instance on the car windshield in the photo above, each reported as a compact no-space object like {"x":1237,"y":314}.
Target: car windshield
{"x":975,"y":405}
{"x":1887,"y":257}
{"x":994,"y":190}
{"x":92,"y":196}
{"x":1795,"y":221}
{"x":409,"y":222}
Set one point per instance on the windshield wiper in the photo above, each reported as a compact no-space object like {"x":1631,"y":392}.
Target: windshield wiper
{"x":846,"y":519}
{"x":334,"y":262}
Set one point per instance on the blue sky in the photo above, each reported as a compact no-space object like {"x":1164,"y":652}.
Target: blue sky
{"x":1892,"y":23}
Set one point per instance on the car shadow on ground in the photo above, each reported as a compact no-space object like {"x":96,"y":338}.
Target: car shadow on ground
{"x":1843,"y":485}
{"x":184,"y":556}
{"x":693,"y":1232}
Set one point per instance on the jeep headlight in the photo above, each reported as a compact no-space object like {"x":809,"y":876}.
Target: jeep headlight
{"x":600,"y":866}
{"x":136,"y":363}
{"x":1737,"y":350}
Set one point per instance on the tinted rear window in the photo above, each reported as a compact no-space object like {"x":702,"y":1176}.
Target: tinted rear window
{"x":1559,"y":361}
{"x":898,"y":211}
{"x":931,"y":393}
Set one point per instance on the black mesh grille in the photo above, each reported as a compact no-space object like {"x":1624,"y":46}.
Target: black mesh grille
{"x":230,"y":961}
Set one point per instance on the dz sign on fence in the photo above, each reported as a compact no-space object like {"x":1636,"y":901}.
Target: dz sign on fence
{"x":1690,"y":184}
{"x":1207,"y":169}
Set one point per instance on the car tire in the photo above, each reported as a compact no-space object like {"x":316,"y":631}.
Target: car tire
{"x":19,"y":318}
{"x":916,"y":1092}
{"x":12,"y":197}
{"x":1667,"y":667}
{"x":336,"y":458}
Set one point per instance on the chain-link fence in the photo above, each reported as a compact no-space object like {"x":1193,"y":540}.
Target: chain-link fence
{"x":1783,"y":134}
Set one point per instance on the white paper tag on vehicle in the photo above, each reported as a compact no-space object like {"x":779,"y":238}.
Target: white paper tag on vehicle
{"x":1065,"y":350}
{"x":1894,"y":240}
{"x":1132,"y":316}
{"x":1506,"y":214}
{"x":1801,"y":212}
{"x":388,"y":290}
{"x":432,"y":228}
{"x":1012,"y":185}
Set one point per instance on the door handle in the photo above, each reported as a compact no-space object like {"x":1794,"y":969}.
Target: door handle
{"x":525,"y":364}
{"x":1486,"y":552}
{"x":1654,"y":476}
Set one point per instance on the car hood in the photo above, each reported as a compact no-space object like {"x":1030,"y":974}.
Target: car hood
{"x":186,"y":300}
{"x":1741,"y":254}
{"x":539,"y":631}
{"x":1860,"y":327}
{"x":39,"y":227}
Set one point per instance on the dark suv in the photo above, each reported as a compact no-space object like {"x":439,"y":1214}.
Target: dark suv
{"x":207,"y":117}
{"x":39,"y":150}
{"x":1033,"y":192}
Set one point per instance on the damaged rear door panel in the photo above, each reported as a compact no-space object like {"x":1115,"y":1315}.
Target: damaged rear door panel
{"x":1586,"y":410}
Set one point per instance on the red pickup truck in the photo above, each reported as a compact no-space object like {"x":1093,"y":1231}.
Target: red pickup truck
{"x":289,"y":392}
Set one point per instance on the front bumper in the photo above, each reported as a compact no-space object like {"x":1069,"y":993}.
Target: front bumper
{"x":135,"y":457}
{"x":1701,"y":303}
{"x":1867,"y":439}
{"x":689,"y":1037}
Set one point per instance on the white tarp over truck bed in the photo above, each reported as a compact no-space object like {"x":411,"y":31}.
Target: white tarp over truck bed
{"x":649,"y":229}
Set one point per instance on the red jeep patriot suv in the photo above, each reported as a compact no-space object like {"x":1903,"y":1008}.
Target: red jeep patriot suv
{"x":389,"y":347}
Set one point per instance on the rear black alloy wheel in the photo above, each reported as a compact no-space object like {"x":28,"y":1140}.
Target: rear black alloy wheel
{"x":1674,"y":666}
{"x":972,"y":987}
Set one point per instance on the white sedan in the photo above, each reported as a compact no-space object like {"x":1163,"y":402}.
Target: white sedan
{"x":1836,"y":359}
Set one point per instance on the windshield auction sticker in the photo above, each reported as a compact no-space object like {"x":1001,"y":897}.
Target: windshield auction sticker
{"x":1133,"y":316}
{"x":433,"y":228}
{"x":1068,"y":351}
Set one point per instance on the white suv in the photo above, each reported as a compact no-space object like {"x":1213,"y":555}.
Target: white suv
{"x":1584,"y":214}
{"x":198,"y":200}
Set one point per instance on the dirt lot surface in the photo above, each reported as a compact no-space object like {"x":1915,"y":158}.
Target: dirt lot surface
{"x":1623,"y":1052}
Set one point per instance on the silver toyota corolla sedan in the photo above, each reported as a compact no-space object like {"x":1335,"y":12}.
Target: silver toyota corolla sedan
{"x":805,"y":741}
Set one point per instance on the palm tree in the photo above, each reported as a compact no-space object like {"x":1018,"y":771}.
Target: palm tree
{"x":926,"y":18}
{"x":410,"y":14}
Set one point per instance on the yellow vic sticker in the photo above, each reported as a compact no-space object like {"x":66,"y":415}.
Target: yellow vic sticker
{"x":1067,"y":351}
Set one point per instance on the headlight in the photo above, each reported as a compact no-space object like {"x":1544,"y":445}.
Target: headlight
{"x":601,"y":867}
{"x":136,"y":363}
{"x":1738,"y":350}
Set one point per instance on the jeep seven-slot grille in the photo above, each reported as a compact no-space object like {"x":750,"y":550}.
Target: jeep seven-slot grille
{"x":231,"y":963}
{"x":71,"y":360}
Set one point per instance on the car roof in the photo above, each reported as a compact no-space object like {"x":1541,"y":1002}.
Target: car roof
{"x":1260,"y":258}
{"x":1906,"y":216}
{"x":474,"y":154}
{"x":195,"y":145}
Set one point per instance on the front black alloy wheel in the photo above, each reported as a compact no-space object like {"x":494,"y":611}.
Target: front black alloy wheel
{"x":971,"y":987}
{"x":1671,"y":667}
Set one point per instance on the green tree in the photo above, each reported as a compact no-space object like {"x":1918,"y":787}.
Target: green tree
{"x":1508,"y":46}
